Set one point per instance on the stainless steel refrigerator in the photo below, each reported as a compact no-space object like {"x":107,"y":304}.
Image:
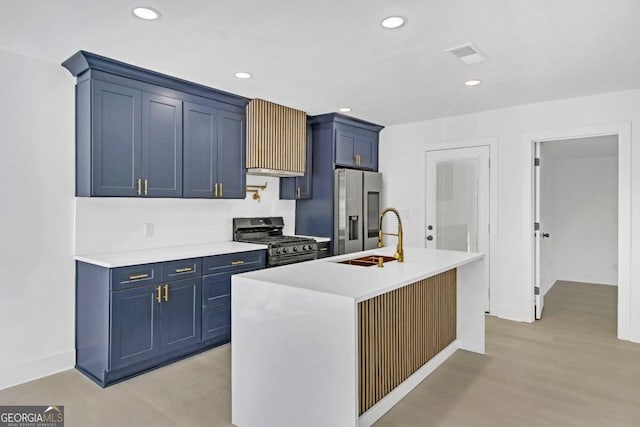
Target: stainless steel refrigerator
{"x":357,"y":198}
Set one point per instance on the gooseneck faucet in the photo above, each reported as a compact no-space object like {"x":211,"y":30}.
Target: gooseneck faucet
{"x":399,"y":255}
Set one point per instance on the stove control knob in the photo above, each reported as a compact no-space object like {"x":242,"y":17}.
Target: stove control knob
{"x":278,"y":251}
{"x":285,"y":250}
{"x":305,"y":248}
{"x":295,"y":249}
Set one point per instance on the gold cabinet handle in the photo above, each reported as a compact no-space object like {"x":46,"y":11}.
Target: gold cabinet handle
{"x":298,"y":192}
{"x":166,"y":292}
{"x":220,"y":189}
{"x":146,"y":186}
{"x":184,"y":270}
{"x":158,"y":294}
{"x":240,"y":262}
{"x":138,"y":276}
{"x":139,"y":185}
{"x":215,"y":191}
{"x":324,"y":249}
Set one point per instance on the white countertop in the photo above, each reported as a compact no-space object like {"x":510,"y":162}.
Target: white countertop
{"x":145,"y":256}
{"x":327,"y":276}
{"x":317,"y":239}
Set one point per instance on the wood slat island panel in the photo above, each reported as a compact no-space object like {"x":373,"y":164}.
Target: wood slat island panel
{"x":400,"y":331}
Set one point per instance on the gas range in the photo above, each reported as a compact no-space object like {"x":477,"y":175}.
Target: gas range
{"x":268,"y":231}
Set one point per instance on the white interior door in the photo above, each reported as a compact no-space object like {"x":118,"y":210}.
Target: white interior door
{"x":457,"y":202}
{"x":537,"y":180}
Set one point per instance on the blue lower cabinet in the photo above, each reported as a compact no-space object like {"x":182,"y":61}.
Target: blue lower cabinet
{"x":216,"y":290}
{"x":136,"y":318}
{"x":156,"y":319}
{"x":181,"y":314}
{"x":135,"y":326}
{"x":216,"y":320}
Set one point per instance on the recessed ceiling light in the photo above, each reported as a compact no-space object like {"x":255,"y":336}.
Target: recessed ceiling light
{"x":345,"y":109}
{"x":472,"y":82}
{"x":146,"y":13}
{"x":243,"y":75}
{"x":392,"y":22}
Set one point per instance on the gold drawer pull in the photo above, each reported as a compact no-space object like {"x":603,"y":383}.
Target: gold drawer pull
{"x":166,"y":292}
{"x":237,"y":262}
{"x":138,"y":276}
{"x":324,"y":249}
{"x":184,"y":270}
{"x":158,"y":294}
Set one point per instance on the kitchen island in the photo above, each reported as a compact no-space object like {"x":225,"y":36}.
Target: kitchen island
{"x":323,"y":343}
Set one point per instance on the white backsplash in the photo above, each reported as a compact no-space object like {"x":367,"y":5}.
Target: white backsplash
{"x":111,"y":224}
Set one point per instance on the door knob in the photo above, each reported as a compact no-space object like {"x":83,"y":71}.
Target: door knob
{"x":429,"y":238}
{"x":545,"y":234}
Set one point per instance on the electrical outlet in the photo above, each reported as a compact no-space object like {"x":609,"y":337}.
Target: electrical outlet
{"x":147,"y":229}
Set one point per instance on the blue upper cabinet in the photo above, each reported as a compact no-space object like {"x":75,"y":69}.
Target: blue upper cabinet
{"x":214,"y":147}
{"x":161,"y":146}
{"x":200,"y":151}
{"x":133,"y":127}
{"x":300,"y":188}
{"x":231,"y":155}
{"x":356,"y":148}
{"x":116,"y":136}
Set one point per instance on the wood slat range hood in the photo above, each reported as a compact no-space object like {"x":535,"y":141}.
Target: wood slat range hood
{"x":276,"y":139}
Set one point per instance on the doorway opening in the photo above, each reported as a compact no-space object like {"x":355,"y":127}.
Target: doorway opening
{"x":576,"y":224}
{"x":534,"y":239}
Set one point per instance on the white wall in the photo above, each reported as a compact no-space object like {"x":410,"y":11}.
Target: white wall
{"x":116,"y":224}
{"x":585,"y":218}
{"x":36,"y":219}
{"x":402,"y":151}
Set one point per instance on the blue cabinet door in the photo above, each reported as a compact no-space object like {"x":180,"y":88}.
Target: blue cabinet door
{"x":135,"y":326}
{"x":300,"y":188}
{"x":200,"y":150}
{"x":161,"y":146}
{"x":115,"y":139}
{"x":345,"y":143}
{"x":231,"y":155}
{"x":366,"y":148}
{"x":181,"y":314}
{"x":216,"y":320}
{"x":215,"y":286}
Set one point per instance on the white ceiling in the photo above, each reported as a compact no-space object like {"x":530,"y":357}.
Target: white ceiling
{"x":318,"y":56}
{"x":596,"y":146}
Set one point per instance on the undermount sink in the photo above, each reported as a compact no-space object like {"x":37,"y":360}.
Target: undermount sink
{"x":368,"y":261}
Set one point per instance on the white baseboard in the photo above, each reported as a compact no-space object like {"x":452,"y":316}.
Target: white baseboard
{"x":389,"y":401}
{"x":34,"y":369}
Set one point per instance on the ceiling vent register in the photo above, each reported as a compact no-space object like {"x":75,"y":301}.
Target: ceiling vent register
{"x":468,"y":53}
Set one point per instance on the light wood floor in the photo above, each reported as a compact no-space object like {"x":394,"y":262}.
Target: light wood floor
{"x":566,"y":370}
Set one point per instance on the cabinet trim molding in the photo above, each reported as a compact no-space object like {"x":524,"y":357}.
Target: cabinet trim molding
{"x":341,"y":118}
{"x":84,"y":61}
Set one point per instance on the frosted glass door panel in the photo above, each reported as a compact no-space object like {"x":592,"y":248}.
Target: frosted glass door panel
{"x":457,"y":205}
